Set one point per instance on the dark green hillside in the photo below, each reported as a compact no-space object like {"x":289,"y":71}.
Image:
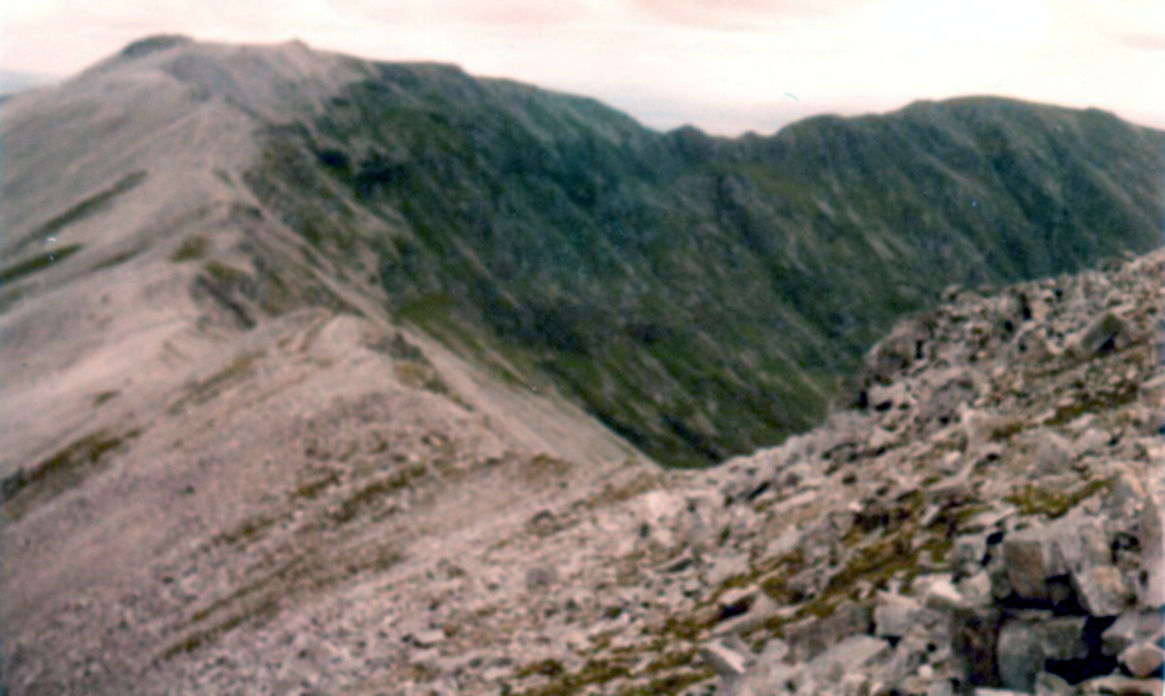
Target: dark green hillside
{"x":700,"y":295}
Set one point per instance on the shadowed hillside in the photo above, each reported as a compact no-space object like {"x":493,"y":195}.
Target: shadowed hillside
{"x":699,"y":295}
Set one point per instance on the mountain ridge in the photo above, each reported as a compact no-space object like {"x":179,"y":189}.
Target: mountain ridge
{"x":626,"y":210}
{"x":303,"y":354}
{"x":656,"y":278}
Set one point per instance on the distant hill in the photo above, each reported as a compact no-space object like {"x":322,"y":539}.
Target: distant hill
{"x":15,"y":81}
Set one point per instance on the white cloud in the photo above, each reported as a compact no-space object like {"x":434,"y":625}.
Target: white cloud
{"x":727,"y":66}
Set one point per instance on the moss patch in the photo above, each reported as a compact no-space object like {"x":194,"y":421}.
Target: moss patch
{"x":1036,"y":500}
{"x":39,"y":262}
{"x":30,"y":487}
{"x":374,"y":492}
{"x":204,"y":390}
{"x":85,"y":208}
{"x":191,"y":249}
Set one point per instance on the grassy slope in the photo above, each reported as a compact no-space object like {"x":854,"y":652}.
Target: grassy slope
{"x":700,"y":295}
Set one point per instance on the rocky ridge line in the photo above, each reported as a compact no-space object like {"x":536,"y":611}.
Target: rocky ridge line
{"x":985,"y":519}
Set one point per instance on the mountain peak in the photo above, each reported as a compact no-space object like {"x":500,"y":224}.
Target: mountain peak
{"x":153,"y":44}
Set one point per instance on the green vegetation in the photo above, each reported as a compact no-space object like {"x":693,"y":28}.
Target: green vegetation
{"x":204,"y":390}
{"x":1036,"y":500}
{"x":418,"y":375}
{"x":700,"y":296}
{"x":227,"y":275}
{"x":375,"y":492}
{"x":30,"y":487}
{"x":102,"y":397}
{"x":87,"y":207}
{"x":259,"y":599}
{"x":39,"y":262}
{"x":118,"y":259}
{"x":192,"y":248}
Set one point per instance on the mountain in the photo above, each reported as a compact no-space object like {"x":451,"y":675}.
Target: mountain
{"x":700,"y":296}
{"x":334,"y":375}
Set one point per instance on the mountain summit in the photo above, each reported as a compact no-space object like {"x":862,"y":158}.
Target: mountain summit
{"x":325,"y":375}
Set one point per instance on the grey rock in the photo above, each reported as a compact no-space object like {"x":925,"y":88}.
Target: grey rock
{"x":894,"y":615}
{"x":1062,"y":638}
{"x":1105,"y":334}
{"x":1092,"y":441}
{"x":944,"y":596}
{"x":1132,"y":627}
{"x":728,"y":656}
{"x":426,"y":638}
{"x":1020,"y":655}
{"x":909,"y":655}
{"x":810,"y":637}
{"x":1048,"y":684}
{"x":984,"y":691}
{"x":768,"y":670}
{"x":1053,"y":454}
{"x":1034,"y":555}
{"x":974,"y":636}
{"x":968,"y":552}
{"x":727,"y":567}
{"x":850,"y":655}
{"x":1116,"y":685}
{"x":540,"y":577}
{"x":976,"y":589}
{"x":1142,"y":659}
{"x":738,"y":600}
{"x":1152,"y":538}
{"x":1028,"y":561}
{"x":885,"y":398}
{"x":880,"y":440}
{"x":1102,"y":590}
{"x":759,"y":611}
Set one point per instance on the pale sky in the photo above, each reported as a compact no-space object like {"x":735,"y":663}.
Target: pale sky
{"x":726,"y":66}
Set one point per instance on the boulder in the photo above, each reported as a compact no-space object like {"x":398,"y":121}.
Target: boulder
{"x":1130,"y":628}
{"x":1117,"y":685}
{"x":812,"y":636}
{"x":1033,"y":556}
{"x":894,"y":615}
{"x":728,"y":656}
{"x":1062,"y":637}
{"x":1053,"y":454}
{"x":1152,"y":539}
{"x":1029,"y":559}
{"x":847,"y":657}
{"x":1020,"y":655}
{"x":1142,"y":659}
{"x":944,"y":596}
{"x":1107,"y":333}
{"x":974,"y":634}
{"x":1102,"y":590}
{"x":1048,"y":684}
{"x":768,"y":668}
{"x":976,"y":589}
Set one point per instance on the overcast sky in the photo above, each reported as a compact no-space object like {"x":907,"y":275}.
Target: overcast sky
{"x":726,"y":66}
